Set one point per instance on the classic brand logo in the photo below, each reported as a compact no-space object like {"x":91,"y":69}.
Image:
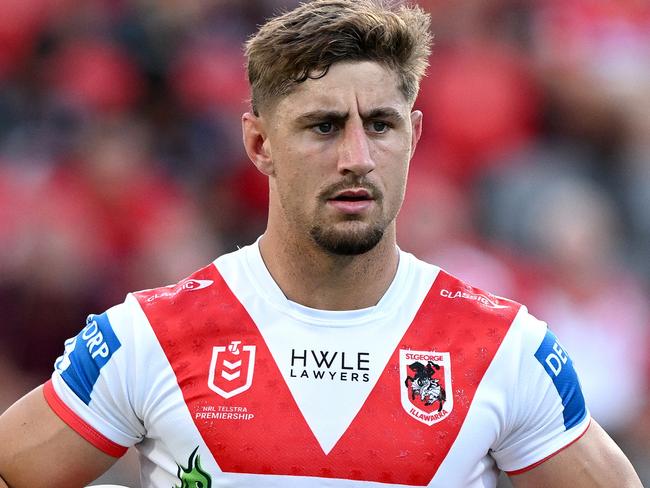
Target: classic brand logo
{"x":479,"y":297}
{"x":426,"y":393}
{"x":231,"y":369}
{"x":188,"y":284}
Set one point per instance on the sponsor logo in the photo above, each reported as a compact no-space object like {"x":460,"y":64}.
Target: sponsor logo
{"x":86,"y":354}
{"x":192,"y":284}
{"x":559,"y":367}
{"x":189,"y":284}
{"x":330,"y":365}
{"x":479,"y":297}
{"x":193,"y":476}
{"x":64,"y":362}
{"x":426,"y":380}
{"x":231,"y":369}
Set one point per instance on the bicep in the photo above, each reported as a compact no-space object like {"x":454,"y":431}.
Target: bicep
{"x":38,"y":449}
{"x":592,"y":461}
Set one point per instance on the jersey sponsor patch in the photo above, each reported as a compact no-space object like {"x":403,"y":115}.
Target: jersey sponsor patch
{"x":559,"y":367}
{"x":426,"y":379}
{"x":86,"y":354}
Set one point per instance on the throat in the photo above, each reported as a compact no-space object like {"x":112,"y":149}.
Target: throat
{"x":320,"y":280}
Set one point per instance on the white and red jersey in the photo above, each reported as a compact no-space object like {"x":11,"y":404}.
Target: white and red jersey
{"x":222,"y":378}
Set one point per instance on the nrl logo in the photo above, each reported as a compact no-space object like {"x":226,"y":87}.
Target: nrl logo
{"x":426,"y":376}
{"x":231,"y":369}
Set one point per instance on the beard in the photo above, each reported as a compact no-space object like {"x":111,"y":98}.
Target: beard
{"x":349,"y":237}
{"x":358,"y":237}
{"x":347,"y":243}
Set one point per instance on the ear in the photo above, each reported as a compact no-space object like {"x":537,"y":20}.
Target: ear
{"x":256,"y":143}
{"x":416,"y":129}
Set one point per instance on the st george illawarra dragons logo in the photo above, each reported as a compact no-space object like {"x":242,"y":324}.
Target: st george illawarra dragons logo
{"x":426,"y":392}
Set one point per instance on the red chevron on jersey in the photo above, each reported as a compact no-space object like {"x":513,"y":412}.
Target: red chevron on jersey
{"x":410,"y":450}
{"x":401,"y":434}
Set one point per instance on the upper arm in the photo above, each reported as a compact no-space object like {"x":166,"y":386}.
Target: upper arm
{"x":544,"y":407}
{"x":592,"y":461}
{"x":68,"y":431}
{"x":38,"y":449}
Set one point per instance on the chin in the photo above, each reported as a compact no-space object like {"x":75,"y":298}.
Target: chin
{"x":350,"y":242}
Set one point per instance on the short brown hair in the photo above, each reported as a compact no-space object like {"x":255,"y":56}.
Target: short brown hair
{"x":305,"y":42}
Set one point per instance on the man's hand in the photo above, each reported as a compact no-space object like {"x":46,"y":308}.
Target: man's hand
{"x":593,"y":461}
{"x":38,"y":449}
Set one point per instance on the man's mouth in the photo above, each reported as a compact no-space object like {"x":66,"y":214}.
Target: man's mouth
{"x":355,"y":195}
{"x":352,"y":201}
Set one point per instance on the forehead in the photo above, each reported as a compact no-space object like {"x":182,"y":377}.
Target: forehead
{"x":347,"y":86}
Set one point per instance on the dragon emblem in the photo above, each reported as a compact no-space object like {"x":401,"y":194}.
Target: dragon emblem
{"x":424,"y":385}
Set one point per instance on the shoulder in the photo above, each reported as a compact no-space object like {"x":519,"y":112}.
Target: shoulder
{"x":205,"y":283}
{"x":201,"y":279}
{"x":456,"y":293}
{"x":527,"y":335}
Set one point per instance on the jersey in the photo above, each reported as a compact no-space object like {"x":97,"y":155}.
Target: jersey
{"x":221,"y":379}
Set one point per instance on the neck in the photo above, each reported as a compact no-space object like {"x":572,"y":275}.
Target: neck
{"x":315,"y":278}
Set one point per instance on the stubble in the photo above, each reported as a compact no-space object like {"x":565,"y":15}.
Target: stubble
{"x":352,"y":236}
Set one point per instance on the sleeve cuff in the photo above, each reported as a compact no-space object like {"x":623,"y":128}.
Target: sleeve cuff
{"x":534,"y":465}
{"x":86,"y":431}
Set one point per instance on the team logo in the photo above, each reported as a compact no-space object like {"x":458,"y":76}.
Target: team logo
{"x":425,"y":377}
{"x":231,"y":369}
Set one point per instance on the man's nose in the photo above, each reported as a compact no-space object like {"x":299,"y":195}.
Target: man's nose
{"x":354,"y":151}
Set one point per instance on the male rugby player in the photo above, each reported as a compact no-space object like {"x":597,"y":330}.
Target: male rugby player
{"x":321,"y":355}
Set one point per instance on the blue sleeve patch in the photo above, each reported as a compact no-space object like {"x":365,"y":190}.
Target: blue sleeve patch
{"x":559,"y":367}
{"x":86,"y":354}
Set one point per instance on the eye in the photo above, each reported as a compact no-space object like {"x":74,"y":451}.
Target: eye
{"x":324,"y":128}
{"x":379,"y":127}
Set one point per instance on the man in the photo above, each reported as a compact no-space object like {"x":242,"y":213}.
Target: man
{"x":321,"y":355}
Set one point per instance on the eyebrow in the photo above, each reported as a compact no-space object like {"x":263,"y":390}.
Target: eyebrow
{"x":383,"y":113}
{"x":320,"y":115}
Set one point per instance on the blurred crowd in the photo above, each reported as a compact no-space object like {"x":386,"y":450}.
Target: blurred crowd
{"x":122,"y":168}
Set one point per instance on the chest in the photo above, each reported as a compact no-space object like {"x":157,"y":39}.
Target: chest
{"x":265,"y":397}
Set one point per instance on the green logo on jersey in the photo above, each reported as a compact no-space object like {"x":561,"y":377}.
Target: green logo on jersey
{"x":193,"y":476}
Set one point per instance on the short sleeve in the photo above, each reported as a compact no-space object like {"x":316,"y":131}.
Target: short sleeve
{"x":547,"y":408}
{"x":93,"y":382}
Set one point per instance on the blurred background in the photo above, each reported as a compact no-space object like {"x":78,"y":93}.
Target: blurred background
{"x":122,"y":168}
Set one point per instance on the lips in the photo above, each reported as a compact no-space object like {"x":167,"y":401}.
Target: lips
{"x":352,"y":201}
{"x":352,"y":195}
